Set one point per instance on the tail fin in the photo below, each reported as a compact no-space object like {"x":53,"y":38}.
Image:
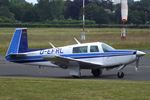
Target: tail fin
{"x":19,"y":42}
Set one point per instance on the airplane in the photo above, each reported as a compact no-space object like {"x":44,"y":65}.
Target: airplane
{"x":95,"y":56}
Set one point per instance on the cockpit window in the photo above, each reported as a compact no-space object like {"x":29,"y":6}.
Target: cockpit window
{"x":94,"y":49}
{"x":106,"y":47}
{"x":82,"y":49}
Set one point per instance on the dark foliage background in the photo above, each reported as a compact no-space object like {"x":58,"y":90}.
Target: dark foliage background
{"x":64,"y":12}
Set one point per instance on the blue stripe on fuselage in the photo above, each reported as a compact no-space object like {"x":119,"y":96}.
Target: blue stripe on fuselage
{"x":75,"y":56}
{"x":95,"y":55}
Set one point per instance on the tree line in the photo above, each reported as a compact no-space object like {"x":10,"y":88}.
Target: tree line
{"x":48,"y":11}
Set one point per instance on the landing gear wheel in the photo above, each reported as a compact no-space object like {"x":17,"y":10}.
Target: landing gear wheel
{"x":75,"y":76}
{"x":120,"y":74}
{"x":96,"y":72}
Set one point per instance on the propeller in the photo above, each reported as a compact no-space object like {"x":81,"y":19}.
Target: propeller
{"x":137,"y":63}
{"x":138,"y":55}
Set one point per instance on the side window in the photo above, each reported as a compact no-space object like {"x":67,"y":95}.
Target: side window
{"x":82,"y":49}
{"x":94,"y":49}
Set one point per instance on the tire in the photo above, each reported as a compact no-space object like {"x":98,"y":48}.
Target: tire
{"x":120,"y":74}
{"x":96,"y":72}
{"x":75,"y":76}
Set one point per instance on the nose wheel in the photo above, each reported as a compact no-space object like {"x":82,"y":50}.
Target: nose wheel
{"x":120,"y":75}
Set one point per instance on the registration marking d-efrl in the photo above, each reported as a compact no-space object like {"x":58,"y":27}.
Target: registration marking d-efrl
{"x":51,"y":51}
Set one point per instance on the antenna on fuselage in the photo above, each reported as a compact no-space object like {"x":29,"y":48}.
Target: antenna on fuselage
{"x":77,"y":41}
{"x":51,"y":45}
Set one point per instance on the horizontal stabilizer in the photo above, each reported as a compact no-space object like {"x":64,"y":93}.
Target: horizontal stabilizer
{"x":18,"y":55}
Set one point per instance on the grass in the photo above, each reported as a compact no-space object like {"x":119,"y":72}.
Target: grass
{"x":39,"y":37}
{"x":72,"y":89}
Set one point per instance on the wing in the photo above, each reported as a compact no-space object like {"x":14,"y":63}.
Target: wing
{"x":64,"y":61}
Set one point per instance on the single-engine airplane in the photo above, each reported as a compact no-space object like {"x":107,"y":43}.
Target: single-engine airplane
{"x":94,"y":56}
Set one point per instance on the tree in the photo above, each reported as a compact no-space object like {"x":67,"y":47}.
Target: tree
{"x":117,"y":14}
{"x":139,"y":12}
{"x":57,"y":9}
{"x":146,"y":10}
{"x":17,"y":1}
{"x":50,"y":9}
{"x":28,"y":13}
{"x":4,"y":2}
{"x":97,"y":13}
{"x":136,"y":17}
{"x":4,"y":12}
{"x":67,"y":11}
{"x":101,"y":11}
{"x":73,"y":9}
{"x":43,"y":10}
{"x":23,"y":11}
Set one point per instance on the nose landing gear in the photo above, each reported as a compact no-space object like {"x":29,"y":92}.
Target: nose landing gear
{"x":120,"y":74}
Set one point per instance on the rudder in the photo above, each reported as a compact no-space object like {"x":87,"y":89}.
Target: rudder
{"x":19,"y":42}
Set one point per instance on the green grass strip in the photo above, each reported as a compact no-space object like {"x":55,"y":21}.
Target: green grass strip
{"x":72,"y":89}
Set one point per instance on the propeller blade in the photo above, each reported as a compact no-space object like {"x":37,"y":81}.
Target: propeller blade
{"x":137,"y":63}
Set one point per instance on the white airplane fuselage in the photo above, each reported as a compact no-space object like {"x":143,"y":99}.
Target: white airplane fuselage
{"x":107,"y":59}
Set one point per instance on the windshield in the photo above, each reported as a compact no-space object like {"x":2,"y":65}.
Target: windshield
{"x":106,"y":47}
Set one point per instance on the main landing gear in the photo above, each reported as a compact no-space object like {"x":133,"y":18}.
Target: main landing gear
{"x":120,"y":74}
{"x":96,"y":72}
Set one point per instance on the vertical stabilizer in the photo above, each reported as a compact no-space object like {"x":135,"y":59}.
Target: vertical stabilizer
{"x":19,"y":42}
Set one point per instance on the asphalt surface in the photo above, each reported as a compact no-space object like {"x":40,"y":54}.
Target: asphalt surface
{"x":11,"y":69}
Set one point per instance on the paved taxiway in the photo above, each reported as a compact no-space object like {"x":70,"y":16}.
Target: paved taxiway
{"x":10,"y":69}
